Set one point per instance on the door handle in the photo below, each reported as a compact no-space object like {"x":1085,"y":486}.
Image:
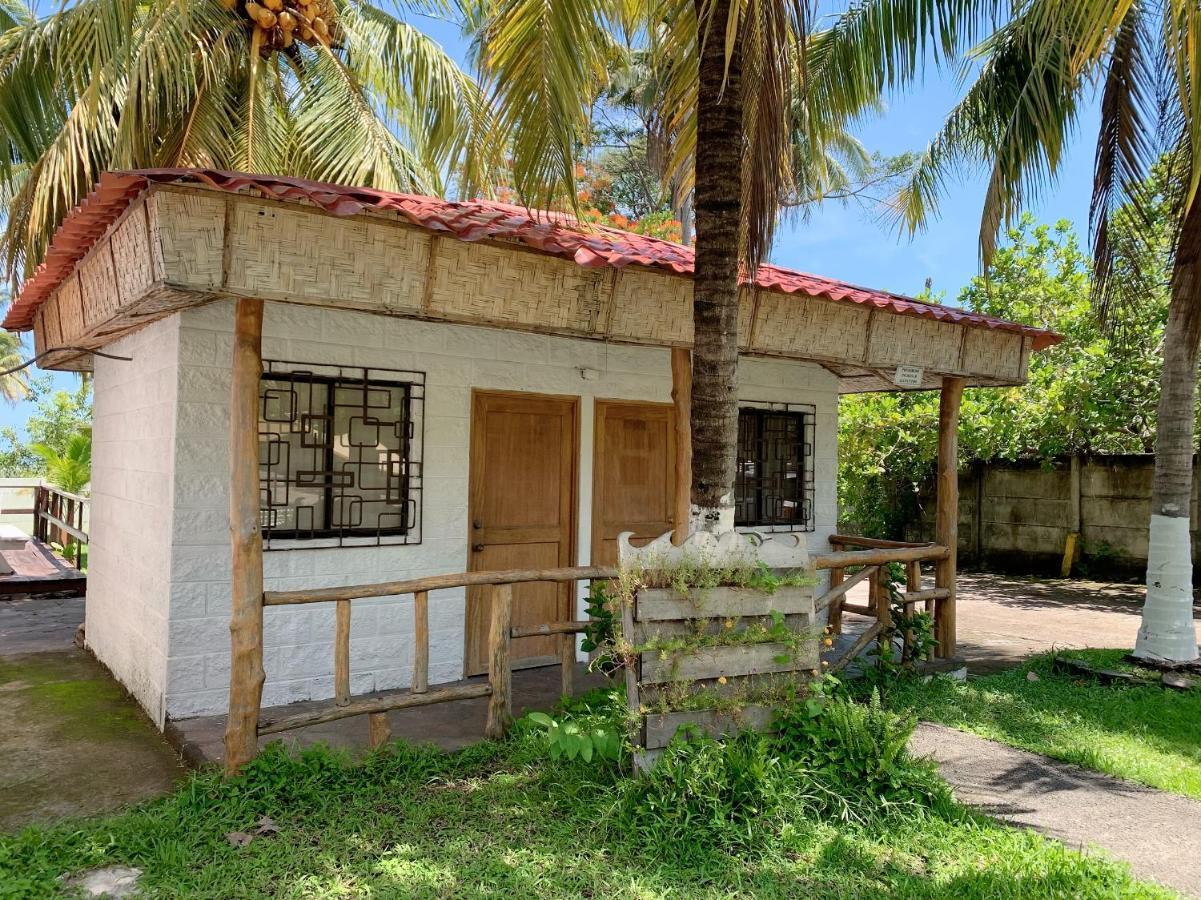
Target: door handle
{"x":477,"y":524}
{"x":478,"y":548}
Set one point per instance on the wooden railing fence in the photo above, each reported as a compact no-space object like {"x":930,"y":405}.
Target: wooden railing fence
{"x":868,"y":561}
{"x":871,"y":560}
{"x":500,"y":635}
{"x":59,"y":516}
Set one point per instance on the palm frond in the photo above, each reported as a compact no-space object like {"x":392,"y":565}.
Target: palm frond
{"x":1126,"y":149}
{"x":546,"y":65}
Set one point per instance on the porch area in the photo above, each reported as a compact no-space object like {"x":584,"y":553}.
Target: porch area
{"x":33,"y":516}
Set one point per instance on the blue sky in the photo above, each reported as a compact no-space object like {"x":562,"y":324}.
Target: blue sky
{"x":841,"y":242}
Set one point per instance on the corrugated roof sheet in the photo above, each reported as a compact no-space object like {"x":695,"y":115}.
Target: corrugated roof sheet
{"x":591,"y":246}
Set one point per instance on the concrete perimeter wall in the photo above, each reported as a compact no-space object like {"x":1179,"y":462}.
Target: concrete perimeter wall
{"x":1016,"y":516}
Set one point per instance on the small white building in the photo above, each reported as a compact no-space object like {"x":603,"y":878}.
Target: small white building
{"x":446,"y":387}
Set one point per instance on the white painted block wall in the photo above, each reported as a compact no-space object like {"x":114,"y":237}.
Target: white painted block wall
{"x":455,"y":358}
{"x":133,"y":476}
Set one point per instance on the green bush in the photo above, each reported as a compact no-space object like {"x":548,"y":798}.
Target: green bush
{"x":704,"y":795}
{"x":856,"y":756}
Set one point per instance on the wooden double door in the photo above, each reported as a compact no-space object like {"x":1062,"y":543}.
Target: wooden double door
{"x":523,"y":500}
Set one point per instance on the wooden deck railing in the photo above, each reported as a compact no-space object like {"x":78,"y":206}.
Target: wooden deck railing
{"x":871,"y":559}
{"x":500,"y":635}
{"x":59,"y":516}
{"x":868,"y":560}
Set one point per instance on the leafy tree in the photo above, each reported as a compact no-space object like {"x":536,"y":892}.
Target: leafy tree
{"x":1032,"y":76}
{"x":335,"y":90}
{"x":1095,"y":392}
{"x":57,"y":417}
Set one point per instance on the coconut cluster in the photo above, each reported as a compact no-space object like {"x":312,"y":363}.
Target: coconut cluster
{"x":284,"y":22}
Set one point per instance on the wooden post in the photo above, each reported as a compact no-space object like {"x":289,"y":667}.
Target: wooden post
{"x":834,"y":619}
{"x":246,"y":584}
{"x":500,"y":676}
{"x":947,"y":519}
{"x":379,"y":731}
{"x":342,"y":653}
{"x":883,"y":609}
{"x":567,"y":665}
{"x":421,"y":643}
{"x":681,"y":398}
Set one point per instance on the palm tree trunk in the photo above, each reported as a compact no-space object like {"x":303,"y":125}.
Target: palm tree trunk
{"x":718,"y":205}
{"x":1167,"y":631}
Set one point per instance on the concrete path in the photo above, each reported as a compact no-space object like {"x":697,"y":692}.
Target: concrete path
{"x":74,"y":743}
{"x":1157,"y":833}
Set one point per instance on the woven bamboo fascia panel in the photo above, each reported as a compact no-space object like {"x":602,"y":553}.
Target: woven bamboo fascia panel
{"x":182,"y":246}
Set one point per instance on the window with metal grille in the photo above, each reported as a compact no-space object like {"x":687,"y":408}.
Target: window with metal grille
{"x":774,"y":484}
{"x":340,"y":455}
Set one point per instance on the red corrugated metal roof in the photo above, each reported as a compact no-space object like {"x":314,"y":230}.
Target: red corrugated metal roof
{"x":555,"y":233}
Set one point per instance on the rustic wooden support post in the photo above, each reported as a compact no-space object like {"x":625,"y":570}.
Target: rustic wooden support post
{"x":246,"y":584}
{"x":681,"y":398}
{"x":500,"y":675}
{"x":947,"y":519}
{"x":342,"y":653}
{"x":834,"y":620}
{"x":421,"y":643}
{"x":378,"y":729}
{"x":567,"y":665}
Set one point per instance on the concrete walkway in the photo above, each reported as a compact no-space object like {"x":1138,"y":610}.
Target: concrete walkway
{"x":73,"y":741}
{"x":1157,"y":833}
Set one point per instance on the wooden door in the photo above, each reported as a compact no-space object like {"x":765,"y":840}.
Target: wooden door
{"x":633,"y":474}
{"x":521,"y":512}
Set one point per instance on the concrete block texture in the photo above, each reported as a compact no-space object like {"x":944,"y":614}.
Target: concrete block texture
{"x":171,"y":640}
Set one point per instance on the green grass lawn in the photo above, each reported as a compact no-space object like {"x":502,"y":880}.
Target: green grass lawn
{"x":1147,"y":734}
{"x":501,"y":820}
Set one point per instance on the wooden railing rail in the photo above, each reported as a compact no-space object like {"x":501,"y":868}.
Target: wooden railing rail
{"x":437,"y":582}
{"x":501,"y":633}
{"x":871,"y":563}
{"x":59,"y":515}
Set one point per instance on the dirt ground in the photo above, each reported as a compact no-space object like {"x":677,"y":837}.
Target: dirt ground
{"x":74,"y":741}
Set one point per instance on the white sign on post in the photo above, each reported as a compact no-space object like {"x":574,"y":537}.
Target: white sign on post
{"x":908,"y":376}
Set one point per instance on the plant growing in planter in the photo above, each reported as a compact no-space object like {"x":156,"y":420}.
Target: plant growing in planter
{"x":715,"y":634}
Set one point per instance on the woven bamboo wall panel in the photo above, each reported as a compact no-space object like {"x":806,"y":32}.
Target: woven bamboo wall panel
{"x":992,"y":353}
{"x":188,"y":235}
{"x":495,"y":284}
{"x":316,"y":258}
{"x":98,"y":282}
{"x":131,"y":249}
{"x":790,"y":324}
{"x":897,"y":340}
{"x":69,"y":301}
{"x":48,"y":322}
{"x":651,"y":308}
{"x":746,"y":317}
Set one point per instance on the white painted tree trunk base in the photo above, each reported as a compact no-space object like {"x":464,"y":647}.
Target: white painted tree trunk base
{"x":712,"y":519}
{"x":1168,"y":631}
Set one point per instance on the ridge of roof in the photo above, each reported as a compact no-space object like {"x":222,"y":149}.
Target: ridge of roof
{"x":556,"y":233}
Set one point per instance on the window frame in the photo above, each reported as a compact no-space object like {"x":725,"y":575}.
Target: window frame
{"x":806,"y":414}
{"x":411,"y":385}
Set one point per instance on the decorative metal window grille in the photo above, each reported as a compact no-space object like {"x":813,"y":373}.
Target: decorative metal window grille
{"x":774,"y":484}
{"x":340,"y":455}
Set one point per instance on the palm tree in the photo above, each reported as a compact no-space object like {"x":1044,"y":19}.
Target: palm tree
{"x":333,"y":90}
{"x":71,"y":468}
{"x":14,"y":386}
{"x":733,"y":76}
{"x":1035,"y":72}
